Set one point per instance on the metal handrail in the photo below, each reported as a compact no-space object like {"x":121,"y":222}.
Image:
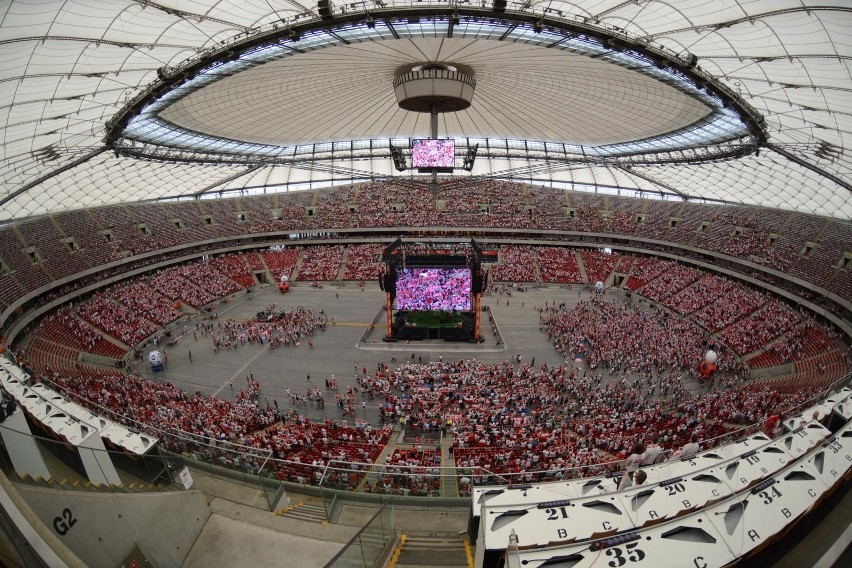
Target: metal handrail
{"x":399,"y":469}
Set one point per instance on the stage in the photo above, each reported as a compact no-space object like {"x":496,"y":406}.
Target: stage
{"x":492,"y":340}
{"x":426,"y":325}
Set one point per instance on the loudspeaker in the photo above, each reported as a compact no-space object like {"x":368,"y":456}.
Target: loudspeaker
{"x":389,"y":284}
{"x":499,"y":6}
{"x":398,"y":159}
{"x":325,"y":9}
{"x":692,"y":61}
{"x":476,"y":283}
{"x":469,"y":158}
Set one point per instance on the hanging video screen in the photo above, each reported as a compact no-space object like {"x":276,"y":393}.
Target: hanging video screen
{"x":429,"y":153}
{"x":439,"y":289}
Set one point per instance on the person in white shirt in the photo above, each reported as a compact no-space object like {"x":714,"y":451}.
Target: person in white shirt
{"x":634,"y":478}
{"x":652,"y":454}
{"x":689,"y":449}
{"x":633,"y":462}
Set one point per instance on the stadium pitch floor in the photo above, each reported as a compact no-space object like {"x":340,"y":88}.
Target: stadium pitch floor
{"x":349,"y":342}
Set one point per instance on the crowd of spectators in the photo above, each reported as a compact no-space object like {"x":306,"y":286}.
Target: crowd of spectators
{"x":624,"y":265}
{"x":170,"y":284}
{"x":196,"y":283}
{"x":674,"y":279}
{"x":254,"y":261}
{"x":761,"y":327}
{"x":630,"y":339}
{"x":139,"y":297}
{"x":505,"y":417}
{"x":745,"y":243}
{"x":593,"y":220}
{"x":704,"y":291}
{"x":115,"y":320}
{"x":63,"y":328}
{"x":806,"y":340}
{"x":531,"y":421}
{"x":485,"y":198}
{"x":517,"y":264}
{"x":745,"y":319}
{"x":394,"y":203}
{"x":203,"y":274}
{"x":320,"y":263}
{"x":287,"y":326}
{"x":559,"y":265}
{"x":235,"y":266}
{"x":198,"y":424}
{"x":361,"y":262}
{"x":280,"y":261}
{"x":738,"y":303}
{"x":645,"y":269}
{"x":599,"y":264}
{"x":765,"y":237}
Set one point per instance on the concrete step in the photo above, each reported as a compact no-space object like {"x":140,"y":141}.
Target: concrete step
{"x":432,"y":552}
{"x":84,"y":485}
{"x":768,"y":373}
{"x":341,"y":271}
{"x":309,"y":513}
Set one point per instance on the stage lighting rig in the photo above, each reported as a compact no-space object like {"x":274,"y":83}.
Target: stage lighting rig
{"x":470,"y":157}
{"x":398,"y":159}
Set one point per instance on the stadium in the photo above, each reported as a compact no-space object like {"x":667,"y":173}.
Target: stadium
{"x":421,"y":284}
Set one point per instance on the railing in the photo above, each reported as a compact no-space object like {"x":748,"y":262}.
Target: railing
{"x":257,"y":465}
{"x":371,"y":545}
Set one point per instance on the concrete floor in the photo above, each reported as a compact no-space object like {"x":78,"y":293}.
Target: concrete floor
{"x":337,"y":349}
{"x":227,"y":542}
{"x":241,"y":532}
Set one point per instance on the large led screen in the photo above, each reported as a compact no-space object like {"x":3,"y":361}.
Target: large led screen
{"x":423,"y":289}
{"x":430,"y":153}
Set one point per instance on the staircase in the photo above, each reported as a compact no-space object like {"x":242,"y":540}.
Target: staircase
{"x":449,"y":485}
{"x":104,"y":335}
{"x":294,"y":274}
{"x":88,"y":486}
{"x":537,"y":268}
{"x":581,"y":265}
{"x":341,"y":272}
{"x":302,"y":512}
{"x":432,"y":550}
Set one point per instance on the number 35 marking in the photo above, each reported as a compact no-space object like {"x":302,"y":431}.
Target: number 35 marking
{"x":633,"y":555}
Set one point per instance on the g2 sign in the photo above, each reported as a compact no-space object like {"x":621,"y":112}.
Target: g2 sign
{"x":63,"y":523}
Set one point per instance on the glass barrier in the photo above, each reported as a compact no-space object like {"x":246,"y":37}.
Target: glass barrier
{"x":371,"y":545}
